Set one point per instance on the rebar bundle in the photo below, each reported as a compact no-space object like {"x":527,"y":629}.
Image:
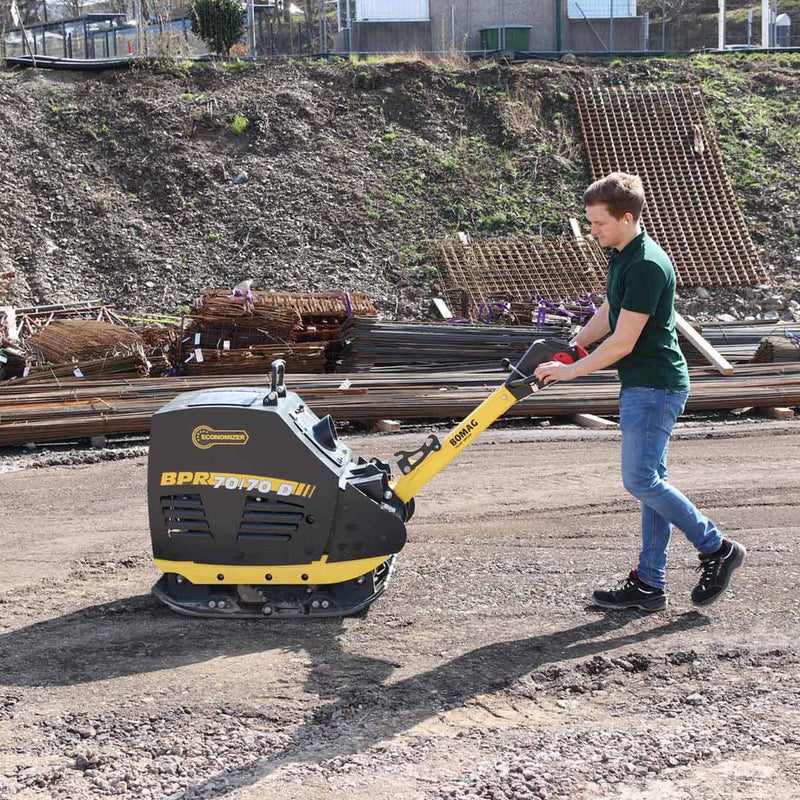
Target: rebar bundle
{"x":299,"y":357}
{"x":739,"y":342}
{"x":75,"y":339}
{"x":370,"y":343}
{"x":84,"y":408}
{"x":132,"y":364}
{"x":242,"y":320}
{"x":774,"y":348}
{"x":321,"y":305}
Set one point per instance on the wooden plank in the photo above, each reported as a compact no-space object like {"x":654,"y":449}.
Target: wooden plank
{"x":385,"y":425}
{"x":721,"y":364}
{"x":777,"y":412}
{"x":575,"y":228}
{"x":593,"y":421}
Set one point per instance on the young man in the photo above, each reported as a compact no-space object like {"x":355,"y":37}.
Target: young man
{"x":639,"y":314}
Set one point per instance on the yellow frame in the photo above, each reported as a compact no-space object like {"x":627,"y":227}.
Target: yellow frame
{"x":494,"y":406}
{"x":316,"y":571}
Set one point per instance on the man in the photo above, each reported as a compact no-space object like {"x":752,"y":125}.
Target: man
{"x":639,"y":314}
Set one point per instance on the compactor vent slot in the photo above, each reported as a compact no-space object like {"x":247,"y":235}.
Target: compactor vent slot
{"x":270,"y":520}
{"x":184,"y":516}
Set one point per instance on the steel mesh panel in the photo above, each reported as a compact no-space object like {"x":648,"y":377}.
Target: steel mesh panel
{"x":554,"y":268}
{"x":666,"y":138}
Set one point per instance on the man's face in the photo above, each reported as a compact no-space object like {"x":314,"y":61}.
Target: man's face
{"x":606,"y":228}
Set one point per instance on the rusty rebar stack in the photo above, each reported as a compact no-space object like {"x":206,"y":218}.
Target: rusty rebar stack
{"x":84,"y":408}
{"x":75,"y":339}
{"x":299,"y":357}
{"x":131,"y":364}
{"x":777,"y":348}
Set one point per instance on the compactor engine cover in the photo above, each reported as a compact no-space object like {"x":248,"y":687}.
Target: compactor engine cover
{"x":257,"y":508}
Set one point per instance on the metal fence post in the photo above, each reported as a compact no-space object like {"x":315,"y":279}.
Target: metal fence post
{"x":610,"y":26}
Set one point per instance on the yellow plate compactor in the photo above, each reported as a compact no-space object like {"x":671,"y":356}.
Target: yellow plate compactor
{"x":257,"y":509}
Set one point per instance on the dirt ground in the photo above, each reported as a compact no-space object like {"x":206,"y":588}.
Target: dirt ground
{"x":482,"y":672}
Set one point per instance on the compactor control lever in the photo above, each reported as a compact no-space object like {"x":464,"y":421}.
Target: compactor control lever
{"x":521,"y":382}
{"x":277,"y":387}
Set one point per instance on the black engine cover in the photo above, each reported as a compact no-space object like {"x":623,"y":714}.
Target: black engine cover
{"x":232,"y":480}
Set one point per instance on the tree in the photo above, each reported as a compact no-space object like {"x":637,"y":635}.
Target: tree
{"x":219,"y":23}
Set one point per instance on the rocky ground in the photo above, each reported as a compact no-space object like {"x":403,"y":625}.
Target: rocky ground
{"x":481,"y":673}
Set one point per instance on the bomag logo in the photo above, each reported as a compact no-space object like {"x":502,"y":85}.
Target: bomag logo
{"x":205,"y":437}
{"x":463,"y":433}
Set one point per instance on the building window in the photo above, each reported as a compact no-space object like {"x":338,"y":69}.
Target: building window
{"x":391,"y":10}
{"x":600,"y":9}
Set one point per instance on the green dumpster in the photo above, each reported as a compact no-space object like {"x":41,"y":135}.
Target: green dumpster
{"x":517,"y":37}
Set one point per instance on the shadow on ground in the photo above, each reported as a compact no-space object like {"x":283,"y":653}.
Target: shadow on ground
{"x":137,"y":635}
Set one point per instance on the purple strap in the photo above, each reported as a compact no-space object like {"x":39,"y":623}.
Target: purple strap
{"x":795,"y":340}
{"x":541,"y":313}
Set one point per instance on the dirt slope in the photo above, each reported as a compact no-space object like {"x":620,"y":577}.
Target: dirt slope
{"x":123,"y":185}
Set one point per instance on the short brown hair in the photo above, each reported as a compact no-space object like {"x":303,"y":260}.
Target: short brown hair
{"x":620,"y":192}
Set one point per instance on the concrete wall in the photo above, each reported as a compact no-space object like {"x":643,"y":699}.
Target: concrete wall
{"x":387,"y":37}
{"x":578,"y":36}
{"x":470,"y":16}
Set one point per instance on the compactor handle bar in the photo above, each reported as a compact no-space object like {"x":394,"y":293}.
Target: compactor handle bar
{"x":519,"y":384}
{"x":522,"y":380}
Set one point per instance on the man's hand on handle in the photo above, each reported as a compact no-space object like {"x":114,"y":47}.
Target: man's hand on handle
{"x":555,"y":371}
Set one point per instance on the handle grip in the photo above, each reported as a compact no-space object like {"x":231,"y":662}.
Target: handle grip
{"x":542,"y":350}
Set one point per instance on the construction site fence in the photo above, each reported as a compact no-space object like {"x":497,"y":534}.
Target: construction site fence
{"x":277,"y":38}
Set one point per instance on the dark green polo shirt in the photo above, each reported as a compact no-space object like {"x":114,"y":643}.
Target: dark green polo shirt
{"x":641,"y":278}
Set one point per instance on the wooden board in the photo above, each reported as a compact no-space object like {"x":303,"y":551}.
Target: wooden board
{"x":777,"y":412}
{"x":593,"y":421}
{"x":721,"y":364}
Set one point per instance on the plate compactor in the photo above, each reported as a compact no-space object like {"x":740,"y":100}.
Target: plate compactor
{"x":257,"y":509}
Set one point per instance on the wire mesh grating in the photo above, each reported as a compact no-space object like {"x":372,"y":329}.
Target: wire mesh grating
{"x":665,"y":137}
{"x":554,"y":268}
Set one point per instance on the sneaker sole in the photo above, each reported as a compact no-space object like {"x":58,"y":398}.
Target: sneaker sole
{"x":737,"y":562}
{"x":657,"y":604}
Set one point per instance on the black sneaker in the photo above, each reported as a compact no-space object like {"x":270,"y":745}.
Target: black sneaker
{"x":631,"y":593}
{"x":717,"y":569}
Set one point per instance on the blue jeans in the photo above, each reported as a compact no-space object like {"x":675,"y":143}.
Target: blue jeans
{"x":646,"y":419}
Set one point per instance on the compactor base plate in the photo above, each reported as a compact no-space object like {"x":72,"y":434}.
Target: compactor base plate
{"x":267,"y":601}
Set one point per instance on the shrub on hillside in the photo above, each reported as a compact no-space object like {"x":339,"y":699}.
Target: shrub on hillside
{"x":219,"y":23}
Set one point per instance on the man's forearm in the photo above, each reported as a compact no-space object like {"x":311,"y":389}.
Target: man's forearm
{"x":606,"y":354}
